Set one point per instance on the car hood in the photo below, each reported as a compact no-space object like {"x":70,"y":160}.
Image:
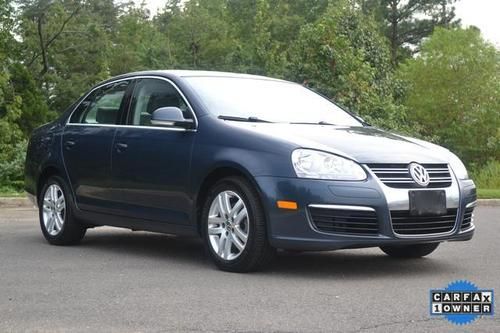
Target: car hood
{"x":362,"y":144}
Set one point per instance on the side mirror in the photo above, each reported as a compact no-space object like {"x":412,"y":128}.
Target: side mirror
{"x":170,"y":117}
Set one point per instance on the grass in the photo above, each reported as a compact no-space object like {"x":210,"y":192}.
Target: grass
{"x":487,"y":176}
{"x":11,"y":194}
{"x":487,"y":179}
{"x":488,"y":193}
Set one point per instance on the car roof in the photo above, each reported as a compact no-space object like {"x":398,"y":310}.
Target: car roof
{"x":191,"y":73}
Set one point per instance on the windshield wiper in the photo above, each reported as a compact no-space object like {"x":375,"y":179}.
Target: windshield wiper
{"x":248,"y":119}
{"x":318,"y":123}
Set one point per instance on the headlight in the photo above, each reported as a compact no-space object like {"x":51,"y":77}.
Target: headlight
{"x":458,"y":167}
{"x":316,"y":164}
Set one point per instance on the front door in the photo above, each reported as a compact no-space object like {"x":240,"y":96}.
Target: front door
{"x":151,"y":165}
{"x":87,"y":143}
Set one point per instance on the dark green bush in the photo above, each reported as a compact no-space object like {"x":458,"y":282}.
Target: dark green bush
{"x":12,"y":169}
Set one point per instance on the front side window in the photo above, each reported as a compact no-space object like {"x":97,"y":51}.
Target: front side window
{"x":102,"y":106}
{"x":150,"y":95}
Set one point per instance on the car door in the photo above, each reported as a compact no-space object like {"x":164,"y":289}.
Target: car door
{"x":150,"y":165}
{"x":87,"y":143}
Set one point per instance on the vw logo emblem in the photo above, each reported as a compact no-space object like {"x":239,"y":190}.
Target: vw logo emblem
{"x":419,"y":174}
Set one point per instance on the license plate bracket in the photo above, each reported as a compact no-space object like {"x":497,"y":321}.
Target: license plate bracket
{"x":427,"y":203}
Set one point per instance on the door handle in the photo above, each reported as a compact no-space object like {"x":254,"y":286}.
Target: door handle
{"x":120,"y":147}
{"x":69,"y":144}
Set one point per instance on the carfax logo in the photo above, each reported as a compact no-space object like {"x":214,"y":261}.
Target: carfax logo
{"x":461,"y":302}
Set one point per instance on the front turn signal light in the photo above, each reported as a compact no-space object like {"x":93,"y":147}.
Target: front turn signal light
{"x":292,"y":205}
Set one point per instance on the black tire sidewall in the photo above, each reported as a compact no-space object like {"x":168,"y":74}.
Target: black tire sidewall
{"x":69,"y":220}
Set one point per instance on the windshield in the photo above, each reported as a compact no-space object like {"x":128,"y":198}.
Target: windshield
{"x":267,"y":100}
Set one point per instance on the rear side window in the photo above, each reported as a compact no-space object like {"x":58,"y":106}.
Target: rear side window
{"x":102,"y":106}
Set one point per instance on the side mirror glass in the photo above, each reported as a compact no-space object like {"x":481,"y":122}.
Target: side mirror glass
{"x":170,"y":117}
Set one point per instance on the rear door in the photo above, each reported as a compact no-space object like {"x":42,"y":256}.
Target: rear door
{"x":151,"y":165}
{"x":87,"y":141}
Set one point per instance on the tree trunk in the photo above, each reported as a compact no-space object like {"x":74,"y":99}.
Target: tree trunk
{"x":394,"y":32}
{"x":43,"y":50}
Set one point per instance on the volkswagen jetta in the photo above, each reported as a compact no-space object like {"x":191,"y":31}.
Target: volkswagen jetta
{"x":251,"y":164}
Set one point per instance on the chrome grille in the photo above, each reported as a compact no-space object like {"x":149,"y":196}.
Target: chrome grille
{"x":398,"y":175}
{"x":344,"y":221}
{"x":405,"y":224}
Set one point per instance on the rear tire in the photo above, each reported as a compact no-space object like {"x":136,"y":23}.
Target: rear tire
{"x":58,"y":224}
{"x":235,"y":235}
{"x":410,"y":251}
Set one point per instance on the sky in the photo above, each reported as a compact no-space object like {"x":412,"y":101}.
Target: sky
{"x":484,"y":14}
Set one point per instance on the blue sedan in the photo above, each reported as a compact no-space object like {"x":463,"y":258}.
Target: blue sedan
{"x":251,"y":164}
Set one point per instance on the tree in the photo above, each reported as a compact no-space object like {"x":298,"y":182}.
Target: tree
{"x":265,"y":30}
{"x":406,"y":22}
{"x":344,"y":56}
{"x":138,"y":43}
{"x":453,"y":92}
{"x":65,"y":45}
{"x":12,"y":143}
{"x":33,"y":106}
{"x":199,"y":33}
{"x":38,"y":13}
{"x":7,"y":42}
{"x":11,"y":136}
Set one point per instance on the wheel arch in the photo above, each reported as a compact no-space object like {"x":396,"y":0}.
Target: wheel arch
{"x":219,"y":172}
{"x":46,"y":173}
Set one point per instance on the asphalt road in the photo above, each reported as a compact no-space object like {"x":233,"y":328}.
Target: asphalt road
{"x":123,"y":281}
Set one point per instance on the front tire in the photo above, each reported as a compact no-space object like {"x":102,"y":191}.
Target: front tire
{"x":234,"y":227}
{"x":59,"y":226}
{"x":410,"y":251}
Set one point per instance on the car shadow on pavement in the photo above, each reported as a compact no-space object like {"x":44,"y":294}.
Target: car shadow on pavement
{"x":352,"y":264}
{"x":358,"y":265}
{"x":146,"y":245}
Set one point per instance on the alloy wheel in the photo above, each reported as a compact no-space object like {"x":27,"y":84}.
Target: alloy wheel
{"x":54,"y":209}
{"x":228,"y":225}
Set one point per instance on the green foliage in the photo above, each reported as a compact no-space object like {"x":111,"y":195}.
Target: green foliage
{"x":66,"y":42}
{"x":12,"y":143}
{"x":488,"y":193}
{"x":12,"y":167}
{"x":51,"y":51}
{"x":453,"y":93}
{"x":34,"y":109}
{"x":487,"y":176}
{"x":200,"y":36}
{"x":6,"y":24}
{"x":406,"y":22}
{"x":343,"y":56}
{"x":138,"y":44}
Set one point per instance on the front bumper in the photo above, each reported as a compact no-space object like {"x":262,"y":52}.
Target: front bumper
{"x":293,"y":229}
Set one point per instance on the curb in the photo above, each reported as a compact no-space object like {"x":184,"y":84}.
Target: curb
{"x":488,"y":202}
{"x":23,"y":202}
{"x":15,"y":202}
